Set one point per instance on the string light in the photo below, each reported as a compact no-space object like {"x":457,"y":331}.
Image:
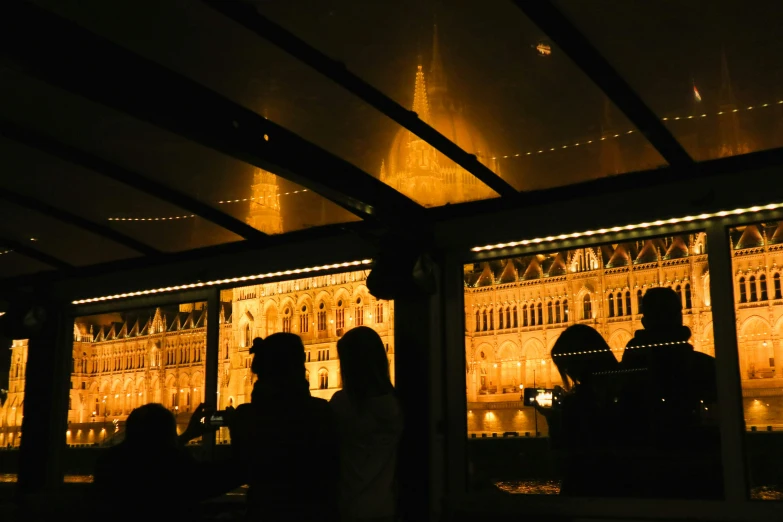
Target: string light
{"x":222,"y":202}
{"x":625,"y":133}
{"x":190,"y":286}
{"x":660,"y":222}
{"x":169,"y":218}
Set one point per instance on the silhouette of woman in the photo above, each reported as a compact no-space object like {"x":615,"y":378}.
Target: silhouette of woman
{"x":581,"y":425}
{"x":369,"y":423}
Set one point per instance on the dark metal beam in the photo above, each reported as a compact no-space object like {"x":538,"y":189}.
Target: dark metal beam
{"x":104,"y":72}
{"x":137,"y":181}
{"x":33,"y":253}
{"x":576,"y":46}
{"x":78,"y":221}
{"x":246,"y":15}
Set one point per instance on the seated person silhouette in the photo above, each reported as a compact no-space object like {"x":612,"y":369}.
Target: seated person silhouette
{"x":581,"y":423}
{"x":283,"y":436}
{"x":668,"y":404}
{"x":153,"y":472}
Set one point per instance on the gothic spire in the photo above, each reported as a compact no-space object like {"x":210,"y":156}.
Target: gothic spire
{"x":437,"y":79}
{"x":420,"y":103}
{"x":726,"y":91}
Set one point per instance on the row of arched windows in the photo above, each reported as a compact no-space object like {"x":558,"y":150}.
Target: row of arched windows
{"x":752,"y":289}
{"x":507,"y":317}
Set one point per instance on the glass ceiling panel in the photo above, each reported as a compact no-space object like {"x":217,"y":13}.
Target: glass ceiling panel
{"x":192,"y":39}
{"x":711,"y":70}
{"x":57,"y":239}
{"x":104,"y":201}
{"x":229,"y":185}
{"x":14,"y":264}
{"x":495,"y":84}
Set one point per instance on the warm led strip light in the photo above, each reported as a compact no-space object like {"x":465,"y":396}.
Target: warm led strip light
{"x":190,"y":286}
{"x":660,"y":222}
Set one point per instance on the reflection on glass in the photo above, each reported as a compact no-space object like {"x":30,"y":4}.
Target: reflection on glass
{"x":12,"y":395}
{"x":757,"y":257}
{"x":627,"y":394}
{"x":319,"y":309}
{"x":712,"y":77}
{"x":127,"y":359}
{"x":487,"y":79}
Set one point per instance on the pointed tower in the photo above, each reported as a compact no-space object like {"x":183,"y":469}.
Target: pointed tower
{"x":264,"y":212}
{"x":611,"y":159}
{"x":729,"y":132}
{"x":438,"y":85}
{"x":420,"y":103}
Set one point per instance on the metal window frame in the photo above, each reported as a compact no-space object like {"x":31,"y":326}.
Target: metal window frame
{"x":736,"y":505}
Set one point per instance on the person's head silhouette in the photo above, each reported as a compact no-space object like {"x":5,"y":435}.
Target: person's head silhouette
{"x":278,"y":358}
{"x":662,"y":309}
{"x":151,"y":426}
{"x":579,"y":352}
{"x":363,"y":364}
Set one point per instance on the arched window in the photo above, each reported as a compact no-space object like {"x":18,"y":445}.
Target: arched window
{"x":532,"y":315}
{"x":491,"y":318}
{"x":587,"y":307}
{"x":763,"y":286}
{"x":515,"y":317}
{"x":323,"y":379}
{"x":628,"y":302}
{"x":478,"y":321}
{"x":508,"y":316}
{"x":549,"y":312}
{"x":339,"y":316}
{"x":540,"y":313}
{"x":679,"y":293}
{"x":557,"y":312}
{"x":322,"y":317}
{"x":752,"y":284}
{"x":501,"y":319}
{"x":639,"y":302}
{"x":248,"y":335}
{"x":688,"y":297}
{"x":287,"y":320}
{"x":304,"y":320}
{"x":565,"y":310}
{"x":619,"y":303}
{"x":776,"y":282}
{"x":485,"y":322}
{"x":611,"y":305}
{"x":359,"y":312}
{"x":524,"y":315}
{"x":743,"y":290}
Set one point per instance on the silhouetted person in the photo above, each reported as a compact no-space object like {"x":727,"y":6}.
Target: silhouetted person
{"x":150,"y":475}
{"x":668,"y":403}
{"x":582,"y":423}
{"x":284,"y":441}
{"x":369,"y":423}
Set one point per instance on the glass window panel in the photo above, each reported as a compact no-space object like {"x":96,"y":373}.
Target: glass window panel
{"x":255,"y":73}
{"x":712,"y":74}
{"x":494,"y":84}
{"x":13,"y":264}
{"x":320,"y":309}
{"x":623,"y":398}
{"x":757,"y":256}
{"x":127,"y":359}
{"x":231,"y":186}
{"x":107,"y":202}
{"x":53,"y":237}
{"x":12,"y":370}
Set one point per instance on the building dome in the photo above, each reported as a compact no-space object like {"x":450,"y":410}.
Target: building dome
{"x":419,"y":171}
